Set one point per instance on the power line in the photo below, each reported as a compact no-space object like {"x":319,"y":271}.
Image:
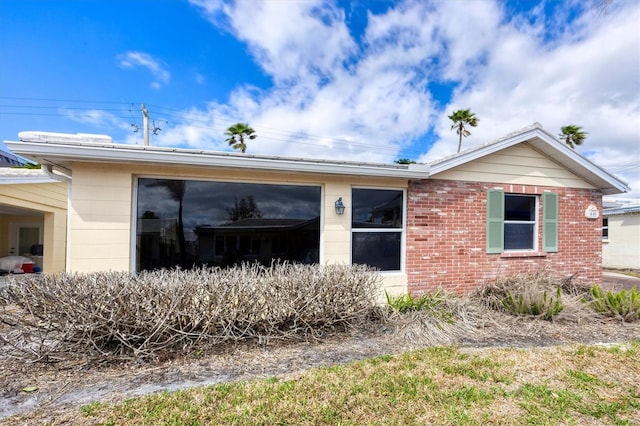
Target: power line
{"x":53,"y":107}
{"x":206,"y":122}
{"x":63,"y":100}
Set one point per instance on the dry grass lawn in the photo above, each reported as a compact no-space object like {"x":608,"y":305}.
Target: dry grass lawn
{"x":575,"y":384}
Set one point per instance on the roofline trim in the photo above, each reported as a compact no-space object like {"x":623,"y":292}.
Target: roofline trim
{"x":21,"y":180}
{"x":620,"y":211}
{"x":135,"y":154}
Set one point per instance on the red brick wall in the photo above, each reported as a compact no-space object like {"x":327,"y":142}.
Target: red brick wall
{"x":446,"y":236}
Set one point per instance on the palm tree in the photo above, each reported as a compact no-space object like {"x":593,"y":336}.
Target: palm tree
{"x":177,"y":189}
{"x":404,"y":161}
{"x":237,"y":134}
{"x":461,"y":118}
{"x":572,"y":135}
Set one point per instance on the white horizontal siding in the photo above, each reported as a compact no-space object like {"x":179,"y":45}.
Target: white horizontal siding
{"x":521,"y":165}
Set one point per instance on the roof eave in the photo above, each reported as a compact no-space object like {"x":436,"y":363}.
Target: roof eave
{"x":57,"y":153}
{"x":26,"y":180}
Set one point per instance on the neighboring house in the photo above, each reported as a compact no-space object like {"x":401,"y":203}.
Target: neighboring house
{"x":523,"y":202}
{"x":258,"y":239}
{"x":33,"y":216}
{"x":7,"y":159}
{"x":621,"y":237}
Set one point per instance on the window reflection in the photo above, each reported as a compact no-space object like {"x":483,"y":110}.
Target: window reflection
{"x":190,"y":223}
{"x":377,"y":208}
{"x":377,"y":228}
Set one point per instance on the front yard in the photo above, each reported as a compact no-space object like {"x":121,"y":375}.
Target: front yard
{"x":456,"y":360}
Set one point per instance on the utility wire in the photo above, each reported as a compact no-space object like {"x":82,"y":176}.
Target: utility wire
{"x":206,"y":122}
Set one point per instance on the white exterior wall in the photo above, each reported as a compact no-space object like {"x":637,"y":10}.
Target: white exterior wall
{"x":49,"y":199}
{"x":100,"y":219}
{"x":622,"y":248}
{"x":101,"y":213}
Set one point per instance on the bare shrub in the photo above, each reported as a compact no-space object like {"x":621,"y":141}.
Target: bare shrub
{"x":539,"y":294}
{"x":142,"y":315}
{"x":437,"y":318}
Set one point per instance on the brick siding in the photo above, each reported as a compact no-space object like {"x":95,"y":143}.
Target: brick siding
{"x":446,"y":236}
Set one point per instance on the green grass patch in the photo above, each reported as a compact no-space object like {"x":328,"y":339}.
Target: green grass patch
{"x":441,"y":385}
{"x":624,"y":304}
{"x":435,"y":303}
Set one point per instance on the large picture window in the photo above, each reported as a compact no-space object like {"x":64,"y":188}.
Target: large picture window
{"x":190,"y":223}
{"x":377,"y":228}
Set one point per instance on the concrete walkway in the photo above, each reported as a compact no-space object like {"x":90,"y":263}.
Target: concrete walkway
{"x":616,"y":281}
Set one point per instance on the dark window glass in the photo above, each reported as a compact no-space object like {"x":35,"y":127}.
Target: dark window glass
{"x":190,"y":223}
{"x":605,"y":228}
{"x":518,"y":236}
{"x":378,"y":249}
{"x":519,"y":222}
{"x":377,"y":208}
{"x":517,"y":207}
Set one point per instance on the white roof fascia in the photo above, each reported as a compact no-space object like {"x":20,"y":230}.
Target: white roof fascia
{"x":621,"y":210}
{"x":94,"y":152}
{"x":591,"y":168}
{"x":17,"y":180}
{"x":19,"y":176}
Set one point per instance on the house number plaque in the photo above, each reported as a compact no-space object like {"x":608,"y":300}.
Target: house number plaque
{"x":591,"y":212}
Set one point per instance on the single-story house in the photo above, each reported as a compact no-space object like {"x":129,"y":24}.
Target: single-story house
{"x":33,"y":216}
{"x":621,"y":237}
{"x":520,"y":203}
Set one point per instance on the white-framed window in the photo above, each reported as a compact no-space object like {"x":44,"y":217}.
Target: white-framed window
{"x":513,"y":223}
{"x":520,"y":222}
{"x":605,"y":228}
{"x":377,"y":227}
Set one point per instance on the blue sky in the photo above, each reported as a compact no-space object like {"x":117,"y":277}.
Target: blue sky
{"x":369,"y":80}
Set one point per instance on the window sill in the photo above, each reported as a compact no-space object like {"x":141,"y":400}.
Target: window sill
{"x":521,"y":254}
{"x":394,"y":272}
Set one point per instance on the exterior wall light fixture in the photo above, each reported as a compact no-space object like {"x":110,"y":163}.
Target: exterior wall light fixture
{"x":339,"y":206}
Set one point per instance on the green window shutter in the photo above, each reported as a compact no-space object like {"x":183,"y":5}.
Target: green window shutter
{"x":495,"y":221}
{"x":550,"y":222}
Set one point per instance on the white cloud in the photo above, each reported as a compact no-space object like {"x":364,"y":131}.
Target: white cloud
{"x":96,"y":118}
{"x":368,"y":99}
{"x":588,"y":77}
{"x":158,"y":69}
{"x":338,"y":99}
